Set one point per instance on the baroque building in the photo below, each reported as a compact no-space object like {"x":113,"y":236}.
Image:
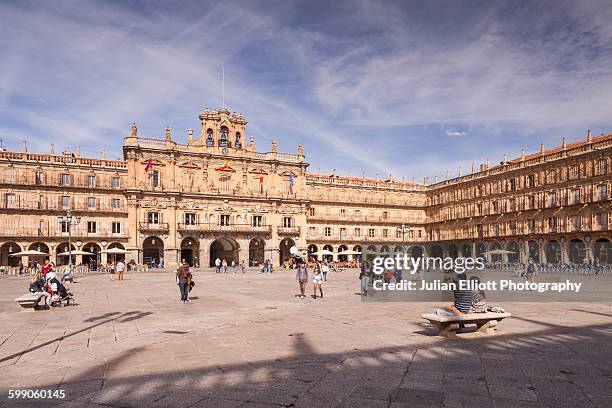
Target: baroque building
{"x":216,"y":196}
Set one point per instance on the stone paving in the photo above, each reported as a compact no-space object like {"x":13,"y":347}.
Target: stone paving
{"x":248,"y":341}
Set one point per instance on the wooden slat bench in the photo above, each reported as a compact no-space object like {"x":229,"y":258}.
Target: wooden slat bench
{"x":29,"y":300}
{"x":448,"y":325}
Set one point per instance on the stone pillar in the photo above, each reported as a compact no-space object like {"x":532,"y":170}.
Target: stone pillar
{"x":542,"y":253}
{"x":171,"y":258}
{"x":204,"y":253}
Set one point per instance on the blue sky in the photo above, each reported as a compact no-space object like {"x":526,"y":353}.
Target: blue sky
{"x":403,"y":88}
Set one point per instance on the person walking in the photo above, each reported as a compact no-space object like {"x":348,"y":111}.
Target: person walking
{"x":325,"y":271}
{"x":364,"y":276}
{"x":317,"y":282}
{"x":242,"y":267}
{"x":182,"y":275}
{"x":120,"y":268}
{"x":224,"y":265}
{"x":218,"y":265}
{"x":301,"y":276}
{"x":234,"y":266}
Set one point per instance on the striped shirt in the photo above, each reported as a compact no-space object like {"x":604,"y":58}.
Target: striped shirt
{"x":463,"y":300}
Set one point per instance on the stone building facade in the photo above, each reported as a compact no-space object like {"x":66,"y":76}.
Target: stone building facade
{"x":216,"y":196}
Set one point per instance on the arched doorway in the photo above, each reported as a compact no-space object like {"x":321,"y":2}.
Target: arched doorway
{"x":328,"y":258}
{"x":437,"y":251}
{"x":190,"y":249}
{"x":416,"y":252}
{"x":120,"y":257}
{"x":453,"y":252}
{"x":384,"y":250}
{"x":496,"y":246}
{"x":534,"y":251}
{"x":466,"y":250}
{"x":553,"y":252}
{"x":42,"y":247}
{"x":256,"y":251}
{"x":8,"y":249}
{"x":577,"y":251}
{"x":513,"y":247}
{"x":152,"y":251}
{"x":91,"y":260}
{"x":357,"y":248}
{"x":311,"y":250}
{"x":284,"y":248}
{"x":342,"y":258}
{"x":63,"y":259}
{"x":481,"y":248}
{"x":224,"y":248}
{"x":602,"y":252}
{"x":371,"y":252}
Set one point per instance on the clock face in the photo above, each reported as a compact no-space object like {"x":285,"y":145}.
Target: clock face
{"x":225,"y":151}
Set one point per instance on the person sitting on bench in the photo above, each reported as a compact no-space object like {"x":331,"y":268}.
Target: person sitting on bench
{"x":38,"y":287}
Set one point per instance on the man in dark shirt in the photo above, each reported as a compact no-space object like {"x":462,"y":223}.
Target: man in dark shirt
{"x":183,"y":281}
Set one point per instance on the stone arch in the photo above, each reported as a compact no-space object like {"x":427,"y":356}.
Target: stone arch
{"x":152,"y":250}
{"x":224,"y":248}
{"x":416,"y":251}
{"x":284,"y":250}
{"x":553,"y":251}
{"x":466,"y":250}
{"x":42,"y":247}
{"x":496,"y":257}
{"x":95,"y":249}
{"x":5,"y":251}
{"x":515,"y":248}
{"x":63,"y":259}
{"x":190,"y":248}
{"x":311,"y":249}
{"x":437,"y":251}
{"x":533,"y":249}
{"x":328,"y":258}
{"x":256,"y":251}
{"x":357,"y":248}
{"x":453,"y":251}
{"x":342,"y":258}
{"x":602,"y":251}
{"x":576,"y":251}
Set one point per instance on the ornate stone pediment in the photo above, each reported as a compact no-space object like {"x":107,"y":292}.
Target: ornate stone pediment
{"x":190,"y":164}
{"x":258,"y":171}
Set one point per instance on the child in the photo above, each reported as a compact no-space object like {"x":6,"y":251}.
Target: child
{"x":317,"y":282}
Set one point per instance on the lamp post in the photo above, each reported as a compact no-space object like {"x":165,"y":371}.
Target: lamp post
{"x":403,"y":228}
{"x":76,"y":220}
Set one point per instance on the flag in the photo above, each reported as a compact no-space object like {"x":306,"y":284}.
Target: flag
{"x":225,"y":167}
{"x":261,"y":183}
{"x":291,"y":183}
{"x":149,"y":166}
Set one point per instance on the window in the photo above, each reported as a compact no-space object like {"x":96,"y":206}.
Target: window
{"x":575,"y":222}
{"x":91,"y":227}
{"x":420,"y":233}
{"x":190,"y":219}
{"x":550,"y":176}
{"x":551,"y":200}
{"x":398,"y":233}
{"x":574,"y":172}
{"x":552,"y":223}
{"x":209,"y":137}
{"x":342,"y":233}
{"x":357,"y":213}
{"x":512,"y":203}
{"x":385,"y":215}
{"x":312,"y":211}
{"x":600,"y":167}
{"x":513,"y":184}
{"x":64,"y":179}
{"x":155,"y":179}
{"x":328,"y":231}
{"x":116,"y":227}
{"x":65,"y":201}
{"x":257,"y":220}
{"x":357,"y":232}
{"x":531,"y":181}
{"x":385,"y":233}
{"x":530,"y":225}
{"x":41,"y":201}
{"x":371,"y":232}
{"x":601,"y":220}
{"x":153,"y":218}
{"x":512,"y":227}
{"x":91,"y":202}
{"x":287,"y":222}
{"x":91,"y":181}
{"x":224,"y":184}
{"x":312,"y":231}
{"x":479,"y":209}
{"x":575,"y":196}
{"x":238,"y":144}
{"x":342,"y":212}
{"x":64,"y":226}
{"x":115,"y":182}
{"x":411,"y":234}
{"x":531,"y":202}
{"x":602,"y":192}
{"x":495,"y":206}
{"x":224,"y":220}
{"x":116,"y":203}
{"x":40,"y":177}
{"x":223,"y":138}
{"x":10,"y":200}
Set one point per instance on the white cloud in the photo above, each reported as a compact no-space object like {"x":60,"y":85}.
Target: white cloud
{"x":455,"y":133}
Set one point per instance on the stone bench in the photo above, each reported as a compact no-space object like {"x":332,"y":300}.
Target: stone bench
{"x":448,"y":325}
{"x":29,"y":300}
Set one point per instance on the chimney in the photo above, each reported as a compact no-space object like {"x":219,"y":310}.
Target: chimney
{"x":564,"y":144}
{"x":542,"y":149}
{"x":472,"y":167}
{"x":589,"y":136}
{"x":189,"y":136}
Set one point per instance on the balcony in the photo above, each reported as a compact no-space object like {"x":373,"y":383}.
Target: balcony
{"x":53,"y":206}
{"x":212,"y":227}
{"x":153,"y":227}
{"x":47,"y":232}
{"x":52,"y":181}
{"x":288,"y":230}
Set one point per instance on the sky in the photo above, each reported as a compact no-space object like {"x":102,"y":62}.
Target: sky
{"x":401,"y":88}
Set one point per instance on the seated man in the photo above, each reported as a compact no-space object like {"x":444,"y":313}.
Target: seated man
{"x":38,"y":287}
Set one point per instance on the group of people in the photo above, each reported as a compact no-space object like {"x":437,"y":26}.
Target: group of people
{"x":221,"y":266}
{"x":320,"y":272}
{"x":48,"y":286}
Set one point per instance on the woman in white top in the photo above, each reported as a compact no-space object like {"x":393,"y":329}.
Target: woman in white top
{"x":317,"y":281}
